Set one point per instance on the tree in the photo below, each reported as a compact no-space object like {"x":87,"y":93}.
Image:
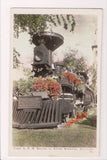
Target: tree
{"x":73,"y":63}
{"x":27,"y":73}
{"x":16,"y":56}
{"x":36,"y":23}
{"x":22,"y":86}
{"x":93,"y":72}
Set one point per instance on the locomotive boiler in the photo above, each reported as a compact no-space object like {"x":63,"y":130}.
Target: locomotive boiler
{"x":38,"y":109}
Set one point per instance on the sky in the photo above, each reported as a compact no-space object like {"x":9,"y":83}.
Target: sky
{"x":81,"y":39}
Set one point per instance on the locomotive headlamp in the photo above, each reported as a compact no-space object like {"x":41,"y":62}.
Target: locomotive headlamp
{"x":38,"y":56}
{"x":41,"y":55}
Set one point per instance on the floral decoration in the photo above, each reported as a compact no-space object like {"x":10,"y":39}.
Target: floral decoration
{"x":72,"y":78}
{"x":78,"y":118}
{"x":50,"y":85}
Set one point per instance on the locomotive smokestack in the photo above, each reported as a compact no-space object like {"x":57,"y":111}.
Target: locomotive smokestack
{"x":46,"y":43}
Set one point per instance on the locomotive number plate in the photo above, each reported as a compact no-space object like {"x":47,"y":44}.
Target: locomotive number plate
{"x":28,"y":102}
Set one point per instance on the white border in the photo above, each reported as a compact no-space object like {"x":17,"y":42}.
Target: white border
{"x":5,"y":22}
{"x":74,"y":152}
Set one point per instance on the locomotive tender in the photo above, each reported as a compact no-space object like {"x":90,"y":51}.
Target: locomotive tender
{"x":38,"y":110}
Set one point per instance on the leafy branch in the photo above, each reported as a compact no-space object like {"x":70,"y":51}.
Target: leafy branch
{"x":36,"y":23}
{"x":16,"y":56}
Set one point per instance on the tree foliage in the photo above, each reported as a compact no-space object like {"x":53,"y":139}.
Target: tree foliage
{"x":36,"y":23}
{"x":22,"y":86}
{"x":93,"y":84}
{"x":16,"y":56}
{"x":71,"y":62}
{"x":27,"y":72}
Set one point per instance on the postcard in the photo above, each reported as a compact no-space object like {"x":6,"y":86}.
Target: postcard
{"x":55,"y":82}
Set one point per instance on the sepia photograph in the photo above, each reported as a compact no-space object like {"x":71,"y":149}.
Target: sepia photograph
{"x":55,"y":81}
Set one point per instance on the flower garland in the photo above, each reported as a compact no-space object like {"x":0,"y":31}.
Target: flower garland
{"x":78,"y":118}
{"x":72,"y":78}
{"x":50,"y":85}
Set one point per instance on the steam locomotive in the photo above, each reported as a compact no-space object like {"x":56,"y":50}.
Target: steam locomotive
{"x":38,"y":110}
